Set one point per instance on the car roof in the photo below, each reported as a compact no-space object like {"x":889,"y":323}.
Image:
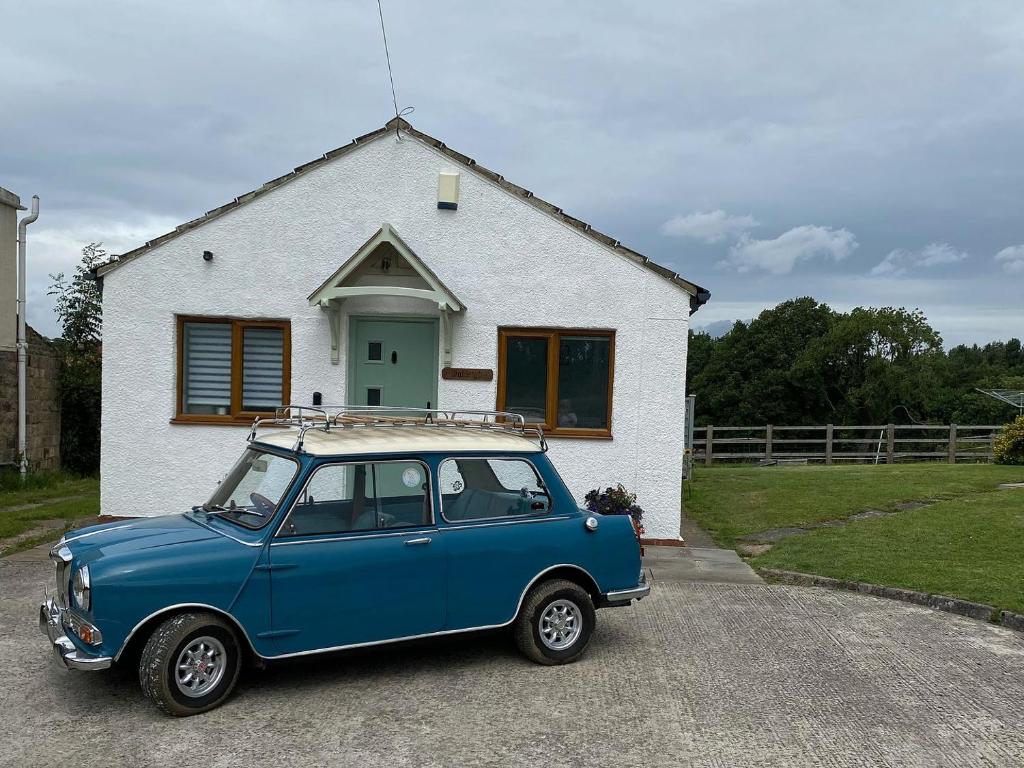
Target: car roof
{"x":440,"y":438}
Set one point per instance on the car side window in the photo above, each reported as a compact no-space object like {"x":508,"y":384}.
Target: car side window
{"x":343,"y":498}
{"x":482,"y":489}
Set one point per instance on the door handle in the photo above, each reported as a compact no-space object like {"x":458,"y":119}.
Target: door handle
{"x":415,"y":542}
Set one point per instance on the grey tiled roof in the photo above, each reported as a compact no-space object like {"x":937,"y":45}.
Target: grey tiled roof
{"x":698,"y":295}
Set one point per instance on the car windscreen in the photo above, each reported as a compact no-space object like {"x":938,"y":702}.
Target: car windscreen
{"x":253,"y":489}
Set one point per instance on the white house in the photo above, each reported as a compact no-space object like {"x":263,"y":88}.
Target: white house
{"x":383,"y":272}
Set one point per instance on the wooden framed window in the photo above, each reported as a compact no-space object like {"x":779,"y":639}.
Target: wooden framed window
{"x":559,"y":379}
{"x":231,"y":370}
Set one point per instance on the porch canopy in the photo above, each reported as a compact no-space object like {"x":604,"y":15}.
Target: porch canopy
{"x":385,"y":266}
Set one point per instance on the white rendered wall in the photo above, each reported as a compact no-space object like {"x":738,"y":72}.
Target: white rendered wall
{"x":509,"y":262}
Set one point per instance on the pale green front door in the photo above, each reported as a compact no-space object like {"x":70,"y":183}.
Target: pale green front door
{"x":393,"y":362}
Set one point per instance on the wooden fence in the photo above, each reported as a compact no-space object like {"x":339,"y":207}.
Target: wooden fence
{"x":834,"y":443}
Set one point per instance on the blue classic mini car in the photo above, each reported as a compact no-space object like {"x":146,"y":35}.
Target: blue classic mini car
{"x":341,"y":528}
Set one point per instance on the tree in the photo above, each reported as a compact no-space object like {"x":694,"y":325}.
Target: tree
{"x":79,"y":312}
{"x":802,"y":363}
{"x":872,"y":363}
{"x":746,"y":376}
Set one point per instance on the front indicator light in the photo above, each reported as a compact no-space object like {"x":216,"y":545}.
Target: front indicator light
{"x":89,"y":634}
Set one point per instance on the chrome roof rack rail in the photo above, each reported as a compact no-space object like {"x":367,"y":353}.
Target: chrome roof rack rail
{"x":339,"y":417}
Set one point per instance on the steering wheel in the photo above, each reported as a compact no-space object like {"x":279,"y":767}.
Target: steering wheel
{"x":266,"y":505}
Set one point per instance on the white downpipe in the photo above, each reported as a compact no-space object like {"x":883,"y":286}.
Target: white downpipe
{"x":22,"y":340}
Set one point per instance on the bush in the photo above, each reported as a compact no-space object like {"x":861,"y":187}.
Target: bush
{"x":616,"y":501}
{"x":1009,"y":446}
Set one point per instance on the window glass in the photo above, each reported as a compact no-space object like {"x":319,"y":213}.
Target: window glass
{"x":482,"y":489}
{"x":375,"y":351}
{"x":207,"y":368}
{"x":262,"y":368}
{"x":583,"y":382}
{"x":450,"y":479}
{"x":253,"y":488}
{"x":231,"y":369}
{"x":526,"y":373}
{"x":362,"y":497}
{"x":373,"y":395}
{"x":558,"y":378}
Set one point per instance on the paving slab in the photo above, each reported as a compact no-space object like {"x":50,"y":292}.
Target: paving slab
{"x":697,"y":564}
{"x":699,"y":674}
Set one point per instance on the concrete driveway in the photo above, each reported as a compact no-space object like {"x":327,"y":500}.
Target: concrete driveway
{"x":701,"y":673}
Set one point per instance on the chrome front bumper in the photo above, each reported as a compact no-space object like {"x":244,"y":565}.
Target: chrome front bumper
{"x":51,"y":624}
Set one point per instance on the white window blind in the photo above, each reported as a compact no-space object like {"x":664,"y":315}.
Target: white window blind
{"x":207,"y":368}
{"x":262,"y":368}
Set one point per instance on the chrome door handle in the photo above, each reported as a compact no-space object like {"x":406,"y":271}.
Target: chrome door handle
{"x":414,"y":542}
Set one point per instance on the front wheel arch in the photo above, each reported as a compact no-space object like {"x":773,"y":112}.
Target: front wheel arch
{"x":132,"y":647}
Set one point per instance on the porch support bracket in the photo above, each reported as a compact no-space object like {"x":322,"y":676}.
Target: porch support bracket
{"x":446,"y":333}
{"x":333,"y":310}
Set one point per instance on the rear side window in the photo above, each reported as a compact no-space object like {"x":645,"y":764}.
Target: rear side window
{"x":484,"y":489}
{"x":343,"y":498}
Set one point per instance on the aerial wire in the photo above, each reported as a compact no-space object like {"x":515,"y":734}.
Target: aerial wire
{"x":399,"y":114}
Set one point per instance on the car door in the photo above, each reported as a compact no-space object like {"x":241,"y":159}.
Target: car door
{"x":358,"y":559}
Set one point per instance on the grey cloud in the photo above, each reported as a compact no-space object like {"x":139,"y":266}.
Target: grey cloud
{"x":1012,"y":259}
{"x":891,"y":120}
{"x":899,"y":262}
{"x":711,"y":226}
{"x":780,"y":255}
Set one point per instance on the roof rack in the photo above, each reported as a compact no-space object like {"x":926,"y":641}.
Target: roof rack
{"x":327,"y":418}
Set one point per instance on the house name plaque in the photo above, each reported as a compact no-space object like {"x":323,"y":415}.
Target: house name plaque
{"x":467,"y":374}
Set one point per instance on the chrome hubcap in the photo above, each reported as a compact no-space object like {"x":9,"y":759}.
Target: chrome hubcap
{"x":200,"y":666}
{"x":560,"y":625}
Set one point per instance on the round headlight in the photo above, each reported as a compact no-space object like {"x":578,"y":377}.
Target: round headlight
{"x":80,"y":588}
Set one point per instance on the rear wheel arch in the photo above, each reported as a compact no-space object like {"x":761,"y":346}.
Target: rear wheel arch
{"x":573,"y":573}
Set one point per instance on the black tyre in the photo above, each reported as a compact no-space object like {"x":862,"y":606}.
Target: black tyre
{"x":190,"y":664}
{"x":555,"y":622}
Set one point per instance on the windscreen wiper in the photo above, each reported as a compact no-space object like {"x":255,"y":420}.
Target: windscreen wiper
{"x":217,"y":509}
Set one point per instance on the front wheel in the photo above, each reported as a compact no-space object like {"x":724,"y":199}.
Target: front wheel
{"x":190,"y":664}
{"x":555,"y":623}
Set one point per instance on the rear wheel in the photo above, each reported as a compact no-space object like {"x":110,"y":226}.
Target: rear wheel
{"x":555,"y":622}
{"x":190,"y":664}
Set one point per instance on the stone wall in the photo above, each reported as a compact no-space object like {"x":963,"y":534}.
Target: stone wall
{"x":43,"y":405}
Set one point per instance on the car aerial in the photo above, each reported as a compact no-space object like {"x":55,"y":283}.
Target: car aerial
{"x":340,"y":528}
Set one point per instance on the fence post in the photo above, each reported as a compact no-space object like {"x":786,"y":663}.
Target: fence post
{"x":952,"y":443}
{"x":890,"y":444}
{"x":709,"y":441}
{"x":768,"y":442}
{"x":828,"y":443}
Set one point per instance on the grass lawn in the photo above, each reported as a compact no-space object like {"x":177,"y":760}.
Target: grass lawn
{"x":729,"y":502}
{"x":968,"y":544}
{"x":971,"y":547}
{"x":45,"y":497}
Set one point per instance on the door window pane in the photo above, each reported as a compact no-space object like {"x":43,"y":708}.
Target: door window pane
{"x":375,"y":351}
{"x":373,"y":396}
{"x":207,"y":368}
{"x":342,"y":498}
{"x":482,"y":489}
{"x":262,"y":368}
{"x":583,"y":382}
{"x":526,"y":374}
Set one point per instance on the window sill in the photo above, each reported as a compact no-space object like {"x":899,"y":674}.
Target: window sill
{"x":568,"y":435}
{"x":214,"y":422}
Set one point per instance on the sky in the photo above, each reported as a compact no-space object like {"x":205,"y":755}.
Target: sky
{"x":863,"y":153}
